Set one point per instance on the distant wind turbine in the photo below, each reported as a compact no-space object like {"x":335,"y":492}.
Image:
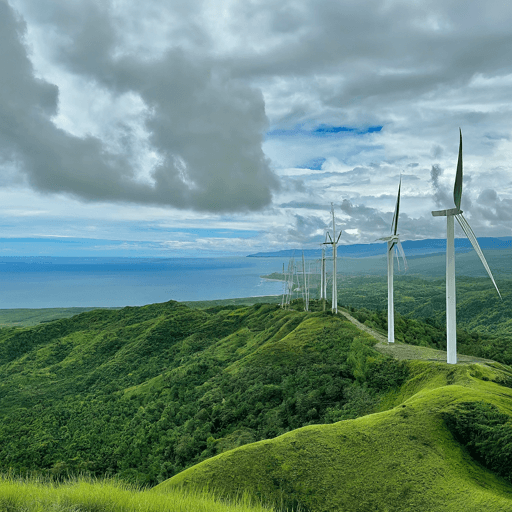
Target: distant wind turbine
{"x":323,"y":281}
{"x":283,"y":301}
{"x":451,"y":319}
{"x":334,"y":242}
{"x":305,"y":289}
{"x":290,"y":280}
{"x":393,"y":245}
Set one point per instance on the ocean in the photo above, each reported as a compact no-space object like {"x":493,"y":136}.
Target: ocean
{"x":54,"y":282}
{"x":51,"y":282}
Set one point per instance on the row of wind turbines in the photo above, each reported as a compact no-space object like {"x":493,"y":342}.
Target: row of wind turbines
{"x":394,"y":246}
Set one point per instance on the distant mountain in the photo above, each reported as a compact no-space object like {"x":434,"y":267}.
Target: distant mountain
{"x":411,"y":248}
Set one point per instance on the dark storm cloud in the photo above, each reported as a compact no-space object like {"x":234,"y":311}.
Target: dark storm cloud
{"x":206,"y":127}
{"x":441,"y":196}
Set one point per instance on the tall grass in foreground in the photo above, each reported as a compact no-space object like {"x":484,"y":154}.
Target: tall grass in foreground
{"x":82,"y":495}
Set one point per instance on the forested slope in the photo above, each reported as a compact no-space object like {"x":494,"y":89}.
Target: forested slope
{"x":143,"y":393}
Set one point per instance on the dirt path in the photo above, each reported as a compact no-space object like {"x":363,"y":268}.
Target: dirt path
{"x":358,"y":324}
{"x":404,"y":351}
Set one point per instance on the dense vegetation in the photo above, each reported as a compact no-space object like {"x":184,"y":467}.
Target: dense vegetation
{"x":479,"y":307}
{"x":167,"y":391}
{"x":486,"y":432}
{"x":403,"y":458}
{"x":143,"y":393}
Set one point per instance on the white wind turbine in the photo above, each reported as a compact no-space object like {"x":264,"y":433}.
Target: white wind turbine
{"x":323,"y":281}
{"x":285,"y":279}
{"x":393,"y":245}
{"x":290,"y":280}
{"x":451,"y":320}
{"x":334,"y":242}
{"x":305,"y":289}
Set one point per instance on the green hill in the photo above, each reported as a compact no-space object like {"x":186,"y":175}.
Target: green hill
{"x":293,"y":407}
{"x":143,"y":393}
{"x":405,"y":458}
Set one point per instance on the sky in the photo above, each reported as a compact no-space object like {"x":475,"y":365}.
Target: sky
{"x":224,"y":127}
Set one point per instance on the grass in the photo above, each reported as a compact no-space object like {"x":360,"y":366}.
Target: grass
{"x":82,"y":495}
{"x":403,"y":458}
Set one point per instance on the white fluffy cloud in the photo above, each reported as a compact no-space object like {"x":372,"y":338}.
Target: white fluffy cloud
{"x":258,"y":115}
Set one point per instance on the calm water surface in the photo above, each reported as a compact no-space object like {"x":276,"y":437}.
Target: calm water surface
{"x":73,"y":282}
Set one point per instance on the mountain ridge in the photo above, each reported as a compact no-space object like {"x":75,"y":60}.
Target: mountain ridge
{"x":411,"y":248}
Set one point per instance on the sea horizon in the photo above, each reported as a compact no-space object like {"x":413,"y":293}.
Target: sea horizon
{"x":35,"y":282}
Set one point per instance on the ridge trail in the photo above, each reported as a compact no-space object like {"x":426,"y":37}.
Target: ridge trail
{"x":401,"y":351}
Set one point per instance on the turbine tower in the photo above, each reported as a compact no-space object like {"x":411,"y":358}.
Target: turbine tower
{"x":451,"y":320}
{"x":323,"y":282}
{"x":334,"y":242}
{"x":305,"y":292}
{"x":393,"y":243}
{"x":290,"y":280}
{"x":284,"y":288}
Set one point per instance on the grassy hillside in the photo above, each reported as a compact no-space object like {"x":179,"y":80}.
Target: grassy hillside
{"x":294,"y":407}
{"x":84,"y":495}
{"x":405,"y":458}
{"x":479,"y":307}
{"x":484,"y":322}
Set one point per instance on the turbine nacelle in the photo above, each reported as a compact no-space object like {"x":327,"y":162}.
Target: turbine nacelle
{"x":447,"y":213}
{"x":391,"y":238}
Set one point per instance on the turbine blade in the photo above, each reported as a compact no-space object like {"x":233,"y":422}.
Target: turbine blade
{"x":457,"y":189}
{"x":400,"y":251}
{"x":394,"y":223}
{"x":474,"y":242}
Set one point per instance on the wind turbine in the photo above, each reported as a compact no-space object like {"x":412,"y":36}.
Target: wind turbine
{"x":305,"y":292}
{"x":323,"y":282}
{"x":290,"y":280}
{"x":285,"y":278}
{"x":393,"y":243}
{"x":451,"y":319}
{"x":334,"y":242}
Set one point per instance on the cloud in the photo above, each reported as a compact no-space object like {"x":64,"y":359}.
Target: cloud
{"x":167,"y":104}
{"x":307,"y":230}
{"x":490,"y":207}
{"x":441,"y":197}
{"x":206,"y":127}
{"x":367,"y":220}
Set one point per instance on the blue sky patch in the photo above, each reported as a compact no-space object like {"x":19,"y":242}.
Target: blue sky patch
{"x":323,"y":130}
{"x":314,"y":165}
